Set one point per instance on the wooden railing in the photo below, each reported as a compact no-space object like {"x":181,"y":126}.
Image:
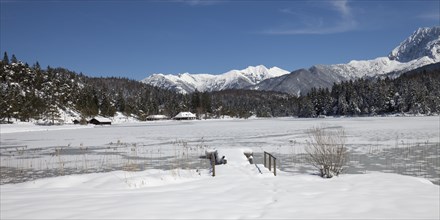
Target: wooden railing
{"x":274,"y":163}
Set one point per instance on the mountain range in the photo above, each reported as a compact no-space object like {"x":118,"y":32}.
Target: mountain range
{"x":420,"y":49}
{"x":234,"y":79}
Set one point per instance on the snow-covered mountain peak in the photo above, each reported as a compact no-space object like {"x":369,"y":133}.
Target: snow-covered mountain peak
{"x":233,"y":79}
{"x":182,"y":74}
{"x":259,"y":73}
{"x":277,"y":70}
{"x":423,"y":42}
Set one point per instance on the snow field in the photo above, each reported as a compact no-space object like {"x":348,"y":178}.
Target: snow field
{"x":176,"y":189}
{"x":229,"y":196}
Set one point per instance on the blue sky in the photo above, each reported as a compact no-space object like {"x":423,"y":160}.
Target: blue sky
{"x":136,"y":38}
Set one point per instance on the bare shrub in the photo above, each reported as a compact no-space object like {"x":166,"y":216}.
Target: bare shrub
{"x":326,"y":151}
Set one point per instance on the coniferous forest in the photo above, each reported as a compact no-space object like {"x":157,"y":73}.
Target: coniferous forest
{"x":32,"y":92}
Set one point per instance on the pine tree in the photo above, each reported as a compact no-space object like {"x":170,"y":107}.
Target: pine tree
{"x":106,"y":107}
{"x":36,"y":66}
{"x":306,"y":108}
{"x":53,"y":115}
{"x":14,"y":59}
{"x":5,"y":58}
{"x":120,"y":102}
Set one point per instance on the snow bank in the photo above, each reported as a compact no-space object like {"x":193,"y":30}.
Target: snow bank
{"x":161,"y":195}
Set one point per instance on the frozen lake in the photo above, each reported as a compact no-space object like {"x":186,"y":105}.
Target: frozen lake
{"x":404,"y":145}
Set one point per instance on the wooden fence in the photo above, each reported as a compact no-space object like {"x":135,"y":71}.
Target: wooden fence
{"x":269,"y":162}
{"x":274,"y":163}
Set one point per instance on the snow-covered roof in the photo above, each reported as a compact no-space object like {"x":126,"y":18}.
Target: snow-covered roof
{"x":185,"y":115}
{"x":157,"y":117}
{"x":102,"y":119}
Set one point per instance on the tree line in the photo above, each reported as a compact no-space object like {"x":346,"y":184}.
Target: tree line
{"x":31,"y":92}
{"x":414,"y":92}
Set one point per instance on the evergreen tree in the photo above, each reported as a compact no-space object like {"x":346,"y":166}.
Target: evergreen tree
{"x":120,"y":102}
{"x":53,"y":115}
{"x":106,"y":107}
{"x":306,"y":108}
{"x":36,"y":66}
{"x":5,"y":58}
{"x":13,"y":59}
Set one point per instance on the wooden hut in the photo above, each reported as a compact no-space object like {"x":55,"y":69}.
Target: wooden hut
{"x":100,"y":121}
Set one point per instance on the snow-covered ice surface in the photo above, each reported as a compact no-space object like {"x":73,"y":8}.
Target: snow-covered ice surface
{"x":29,"y":127}
{"x":186,"y":190}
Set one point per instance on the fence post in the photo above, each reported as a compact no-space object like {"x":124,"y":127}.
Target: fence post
{"x":270,"y":164}
{"x":265,"y":159}
{"x":213,"y":164}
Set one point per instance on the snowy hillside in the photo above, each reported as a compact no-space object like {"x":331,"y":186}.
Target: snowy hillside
{"x":420,"y":49}
{"x":234,"y":79}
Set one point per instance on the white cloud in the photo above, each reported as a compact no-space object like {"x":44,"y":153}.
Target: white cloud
{"x":337,"y":28}
{"x":201,"y":2}
{"x":287,"y":11}
{"x":342,"y":7}
{"x":430,"y":16}
{"x":343,"y":22}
